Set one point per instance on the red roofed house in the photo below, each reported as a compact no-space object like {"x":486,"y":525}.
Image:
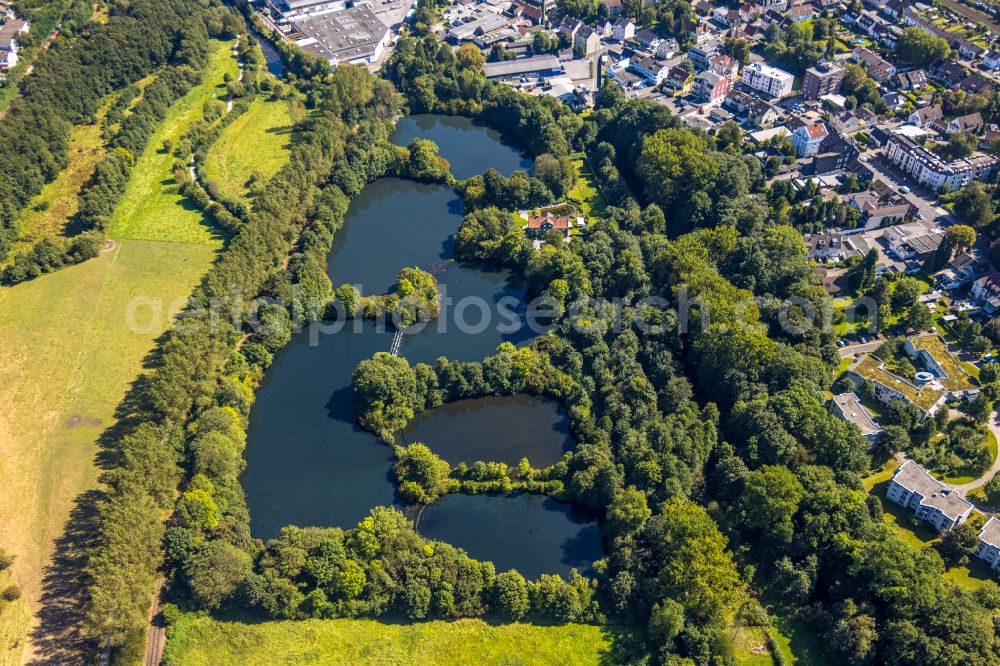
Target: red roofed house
{"x":807,"y":139}
{"x":539,"y":225}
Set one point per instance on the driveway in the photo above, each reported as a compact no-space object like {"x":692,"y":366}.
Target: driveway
{"x":850,"y":350}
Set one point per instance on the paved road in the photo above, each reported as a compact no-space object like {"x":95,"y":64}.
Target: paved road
{"x":850,"y":350}
{"x":966,"y":488}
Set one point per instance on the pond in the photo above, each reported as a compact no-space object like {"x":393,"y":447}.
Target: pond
{"x":495,"y":429}
{"x":469,"y":146}
{"x":530,"y":533}
{"x":308,"y":463}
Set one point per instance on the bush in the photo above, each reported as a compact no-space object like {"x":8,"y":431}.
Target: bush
{"x":12,"y":593}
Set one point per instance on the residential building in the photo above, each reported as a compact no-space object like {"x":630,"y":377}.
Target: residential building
{"x":767,"y":79}
{"x":986,"y":292}
{"x":800,"y":13}
{"x":711,"y":87}
{"x":933,"y":502}
{"x":807,"y":139}
{"x":653,"y":71}
{"x":848,"y":407}
{"x":992,"y":59}
{"x":539,"y":225}
{"x":667,"y":48}
{"x":878,"y":68}
{"x":623,"y":29}
{"x":925,"y":116}
{"x":927,"y":397}
{"x":913,"y":80}
{"x":967,"y":124}
{"x":725,"y":65}
{"x":586,"y":41}
{"x":929,"y":169}
{"x":822,"y":79}
{"x":678,"y":79}
{"x":989,"y":543}
{"x":352,"y":35}
{"x":570,"y":26}
{"x":765,"y":6}
{"x":700,"y":55}
{"x":846,"y":122}
{"x":648,"y":39}
{"x":8,"y":41}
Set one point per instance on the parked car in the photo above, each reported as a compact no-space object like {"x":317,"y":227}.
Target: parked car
{"x":905,"y":190}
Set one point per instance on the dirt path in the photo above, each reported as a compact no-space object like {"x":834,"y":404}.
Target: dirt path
{"x":156,"y":634}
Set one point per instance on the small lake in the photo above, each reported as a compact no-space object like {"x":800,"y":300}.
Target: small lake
{"x":469,"y":146}
{"x":308,"y":463}
{"x":530,"y":533}
{"x":495,"y":429}
{"x":271,"y":56}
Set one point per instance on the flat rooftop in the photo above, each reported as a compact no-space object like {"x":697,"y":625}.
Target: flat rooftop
{"x":852,"y":410}
{"x":521,"y":66}
{"x":958,"y":379}
{"x":915,"y":478}
{"x":870,"y":367}
{"x":991,"y":532}
{"x":347,"y":35}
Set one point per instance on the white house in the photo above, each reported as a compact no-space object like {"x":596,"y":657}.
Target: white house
{"x":989,"y":543}
{"x":653,"y":71}
{"x":848,"y":407}
{"x":807,"y":139}
{"x":623,"y":29}
{"x":8,"y":41}
{"x":667,"y":48}
{"x":767,"y":79}
{"x":933,"y":502}
{"x":992,"y":59}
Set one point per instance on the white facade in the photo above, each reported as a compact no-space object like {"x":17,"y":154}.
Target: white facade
{"x":927,"y":168}
{"x":767,"y":79}
{"x":989,"y":543}
{"x":623,"y":29}
{"x":807,"y":139}
{"x":933,"y":502}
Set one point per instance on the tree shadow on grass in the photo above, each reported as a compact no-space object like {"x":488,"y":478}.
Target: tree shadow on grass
{"x":59,"y":637}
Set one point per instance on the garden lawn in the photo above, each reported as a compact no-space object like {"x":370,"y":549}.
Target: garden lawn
{"x":797,"y":642}
{"x":586,"y":193}
{"x":152,"y":207}
{"x":969,"y":577}
{"x":196,"y":641}
{"x":67,"y":360}
{"x":258,"y":142}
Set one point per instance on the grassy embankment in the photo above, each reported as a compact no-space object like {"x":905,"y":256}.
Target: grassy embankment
{"x":255,"y":144}
{"x":199,"y":640}
{"x":69,"y":354}
{"x":919,"y":535}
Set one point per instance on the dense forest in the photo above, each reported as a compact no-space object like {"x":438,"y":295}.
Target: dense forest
{"x":68,"y":84}
{"x":724,"y":484}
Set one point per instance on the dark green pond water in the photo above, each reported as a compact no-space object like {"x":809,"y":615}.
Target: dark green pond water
{"x":307,"y":461}
{"x":530,"y":533}
{"x":469,"y":146}
{"x":495,"y":429}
